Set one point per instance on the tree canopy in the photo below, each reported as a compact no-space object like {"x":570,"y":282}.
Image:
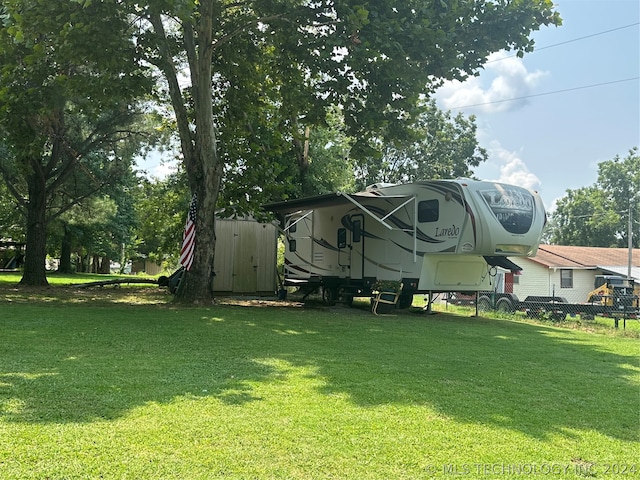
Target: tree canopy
{"x":598,"y":215}
{"x":254,"y":88}
{"x":441,"y":146}
{"x":69,"y":82}
{"x":289,"y":60}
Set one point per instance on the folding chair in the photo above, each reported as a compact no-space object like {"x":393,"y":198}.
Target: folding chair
{"x":386,"y":297}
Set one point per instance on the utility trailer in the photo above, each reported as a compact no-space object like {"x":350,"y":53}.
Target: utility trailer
{"x":620,"y":302}
{"x":430,"y":236}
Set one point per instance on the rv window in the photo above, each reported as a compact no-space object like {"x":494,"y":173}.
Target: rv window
{"x":566,"y":278}
{"x":357,"y":230}
{"x":428,"y":211}
{"x":512,"y":207}
{"x":292,"y":245}
{"x":342,"y":238}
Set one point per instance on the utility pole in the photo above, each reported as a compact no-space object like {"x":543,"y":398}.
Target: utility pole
{"x":630,"y":237}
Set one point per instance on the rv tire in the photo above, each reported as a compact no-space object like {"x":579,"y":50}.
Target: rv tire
{"x":405,"y":300}
{"x":329,"y":295}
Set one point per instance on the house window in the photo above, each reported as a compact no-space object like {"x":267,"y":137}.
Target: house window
{"x":566,"y":278}
{"x":428,"y":211}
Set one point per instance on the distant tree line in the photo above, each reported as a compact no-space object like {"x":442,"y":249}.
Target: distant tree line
{"x":600,"y":215}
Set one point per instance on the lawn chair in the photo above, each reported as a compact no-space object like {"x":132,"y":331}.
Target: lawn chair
{"x":386,"y":294}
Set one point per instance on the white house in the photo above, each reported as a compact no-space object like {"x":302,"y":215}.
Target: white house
{"x":569,"y":272}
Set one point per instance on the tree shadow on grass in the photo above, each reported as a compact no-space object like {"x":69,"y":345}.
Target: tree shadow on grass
{"x":531,"y":378}
{"x":91,"y":365}
{"x":87,"y":364}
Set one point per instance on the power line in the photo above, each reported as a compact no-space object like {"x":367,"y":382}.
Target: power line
{"x":546,"y":93}
{"x":568,"y":41}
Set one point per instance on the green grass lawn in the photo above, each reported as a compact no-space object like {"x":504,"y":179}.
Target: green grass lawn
{"x":121,"y":383}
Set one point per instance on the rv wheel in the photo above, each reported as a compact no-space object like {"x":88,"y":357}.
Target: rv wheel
{"x":329,"y":295}
{"x":348,"y":299}
{"x":405,"y":300}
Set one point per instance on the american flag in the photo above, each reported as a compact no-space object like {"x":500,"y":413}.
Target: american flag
{"x":189,"y":236}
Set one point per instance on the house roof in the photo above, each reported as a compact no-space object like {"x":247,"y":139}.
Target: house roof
{"x":563,"y":256}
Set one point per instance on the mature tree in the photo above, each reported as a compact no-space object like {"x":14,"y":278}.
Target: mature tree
{"x":11,"y":221}
{"x":80,"y":231}
{"x":441,"y":146}
{"x":598,"y":215}
{"x":258,"y":155}
{"x":161,"y":216}
{"x":99,"y":229}
{"x":620,"y":179}
{"x":263,"y":161}
{"x":68,"y":82}
{"x":585,"y":217}
{"x":328,"y":166}
{"x":373,"y":59}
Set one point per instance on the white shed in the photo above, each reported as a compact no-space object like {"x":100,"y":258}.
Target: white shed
{"x":245,"y":257}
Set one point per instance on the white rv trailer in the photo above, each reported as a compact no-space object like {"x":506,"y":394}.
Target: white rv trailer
{"x":433,"y":236}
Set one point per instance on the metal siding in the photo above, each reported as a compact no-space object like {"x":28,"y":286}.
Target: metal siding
{"x":245,"y":263}
{"x":266,"y":249}
{"x":224,"y":255}
{"x":245,"y":259}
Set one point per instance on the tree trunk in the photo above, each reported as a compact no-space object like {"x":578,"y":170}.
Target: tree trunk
{"x":202,"y":164}
{"x":65,"y":253}
{"x":302,"y":153}
{"x":35,"y":273}
{"x":82,"y":263}
{"x":95,"y":263}
{"x":105,"y":265}
{"x":198,"y":283}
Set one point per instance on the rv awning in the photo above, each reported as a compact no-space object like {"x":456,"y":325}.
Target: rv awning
{"x":327,"y":200}
{"x":503,"y":262}
{"x":341,"y":198}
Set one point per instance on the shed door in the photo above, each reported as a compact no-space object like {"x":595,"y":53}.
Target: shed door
{"x":245,"y":265}
{"x":266,"y":248}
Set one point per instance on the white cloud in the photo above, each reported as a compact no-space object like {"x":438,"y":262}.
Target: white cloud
{"x":510,"y":80}
{"x":163,"y":170}
{"x":512,"y":168}
{"x":516,"y":172}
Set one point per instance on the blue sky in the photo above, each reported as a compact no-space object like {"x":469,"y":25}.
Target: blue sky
{"x":555,"y":142}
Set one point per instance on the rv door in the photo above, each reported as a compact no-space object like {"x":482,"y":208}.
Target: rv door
{"x":357,"y":247}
